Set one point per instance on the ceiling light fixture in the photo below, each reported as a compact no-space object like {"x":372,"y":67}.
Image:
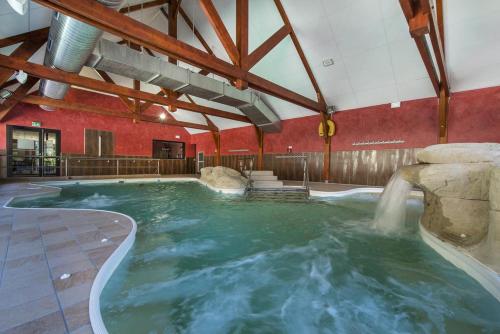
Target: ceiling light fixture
{"x":163,"y":116}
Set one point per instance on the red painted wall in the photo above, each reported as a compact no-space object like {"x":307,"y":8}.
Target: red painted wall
{"x":475,"y":116}
{"x":415,"y":122}
{"x":130,"y":138}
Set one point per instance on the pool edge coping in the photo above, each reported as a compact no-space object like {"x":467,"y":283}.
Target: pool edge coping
{"x":462,"y":259}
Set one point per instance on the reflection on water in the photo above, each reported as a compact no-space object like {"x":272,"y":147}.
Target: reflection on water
{"x":210,"y":263}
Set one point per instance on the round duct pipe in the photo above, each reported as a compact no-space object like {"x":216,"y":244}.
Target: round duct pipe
{"x":69,"y":44}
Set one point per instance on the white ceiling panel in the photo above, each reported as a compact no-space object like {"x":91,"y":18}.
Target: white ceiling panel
{"x":472,"y":44}
{"x":376,"y":61}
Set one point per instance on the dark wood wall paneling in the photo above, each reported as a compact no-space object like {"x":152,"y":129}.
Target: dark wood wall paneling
{"x":94,"y":167}
{"x":368,"y":167}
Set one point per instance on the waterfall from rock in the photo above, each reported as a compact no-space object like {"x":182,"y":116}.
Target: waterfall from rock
{"x":391,"y":209}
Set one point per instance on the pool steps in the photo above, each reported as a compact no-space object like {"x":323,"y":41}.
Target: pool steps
{"x":266,"y":187}
{"x":264,"y":179}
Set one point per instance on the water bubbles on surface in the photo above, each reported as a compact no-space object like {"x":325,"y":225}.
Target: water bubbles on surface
{"x":98,"y":201}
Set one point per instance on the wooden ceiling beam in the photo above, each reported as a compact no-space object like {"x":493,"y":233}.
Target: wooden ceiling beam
{"x":63,"y":104}
{"x":438,"y":48}
{"x":24,"y":51}
{"x":20,"y":92}
{"x":425,"y":54}
{"x":41,"y":71}
{"x":302,"y":56}
{"x":266,"y":47}
{"x":40,"y":34}
{"x":97,"y":15}
{"x":220,"y":29}
{"x":8,"y":83}
{"x":105,"y":76}
{"x":144,"y":5}
{"x":209,"y":121}
{"x":419,"y":25}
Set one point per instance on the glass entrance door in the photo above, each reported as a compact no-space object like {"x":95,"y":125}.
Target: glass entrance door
{"x":50,"y":154}
{"x":32,"y":151}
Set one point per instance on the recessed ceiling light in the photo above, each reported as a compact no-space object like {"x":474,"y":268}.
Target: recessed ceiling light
{"x":328,"y":62}
{"x":396,"y":104}
{"x":163,"y":116}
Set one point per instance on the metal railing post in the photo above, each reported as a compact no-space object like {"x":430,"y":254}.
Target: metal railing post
{"x":158,"y":161}
{"x":66,"y":167}
{"x":117,"y":166}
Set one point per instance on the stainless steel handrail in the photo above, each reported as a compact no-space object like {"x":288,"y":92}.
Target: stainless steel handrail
{"x":67,"y":162}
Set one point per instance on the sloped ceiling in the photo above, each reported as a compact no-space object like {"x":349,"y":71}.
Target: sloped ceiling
{"x":376,"y":61}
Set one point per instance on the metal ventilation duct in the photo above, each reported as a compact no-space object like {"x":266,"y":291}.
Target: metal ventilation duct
{"x":69,"y":45}
{"x":124,"y":61}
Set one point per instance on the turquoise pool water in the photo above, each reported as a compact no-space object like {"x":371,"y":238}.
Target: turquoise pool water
{"x":211,"y":263}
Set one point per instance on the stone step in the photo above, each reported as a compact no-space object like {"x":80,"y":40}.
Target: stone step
{"x":260,"y":172}
{"x":268,"y":184}
{"x":264,"y":177}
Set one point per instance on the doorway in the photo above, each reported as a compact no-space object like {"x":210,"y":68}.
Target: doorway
{"x":200,"y":162}
{"x":33,"y":151}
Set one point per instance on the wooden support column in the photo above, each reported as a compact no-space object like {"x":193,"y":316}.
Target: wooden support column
{"x":216,"y":137}
{"x":137,"y":103}
{"x":242,"y":38}
{"x":260,"y":152}
{"x":444,"y":101}
{"x":327,"y":148}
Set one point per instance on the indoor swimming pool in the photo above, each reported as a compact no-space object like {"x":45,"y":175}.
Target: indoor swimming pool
{"x":205,"y":262}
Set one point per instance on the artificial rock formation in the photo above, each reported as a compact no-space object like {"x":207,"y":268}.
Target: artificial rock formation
{"x":223,"y":178}
{"x":461,"y":185}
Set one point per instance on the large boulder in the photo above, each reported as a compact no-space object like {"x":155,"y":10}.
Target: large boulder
{"x":223,"y":178}
{"x":461,"y":185}
{"x":460,"y":153}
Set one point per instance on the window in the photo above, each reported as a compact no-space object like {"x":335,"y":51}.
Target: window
{"x":168,"y":149}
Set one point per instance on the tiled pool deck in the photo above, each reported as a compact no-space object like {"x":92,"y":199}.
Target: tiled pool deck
{"x":37,"y":246}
